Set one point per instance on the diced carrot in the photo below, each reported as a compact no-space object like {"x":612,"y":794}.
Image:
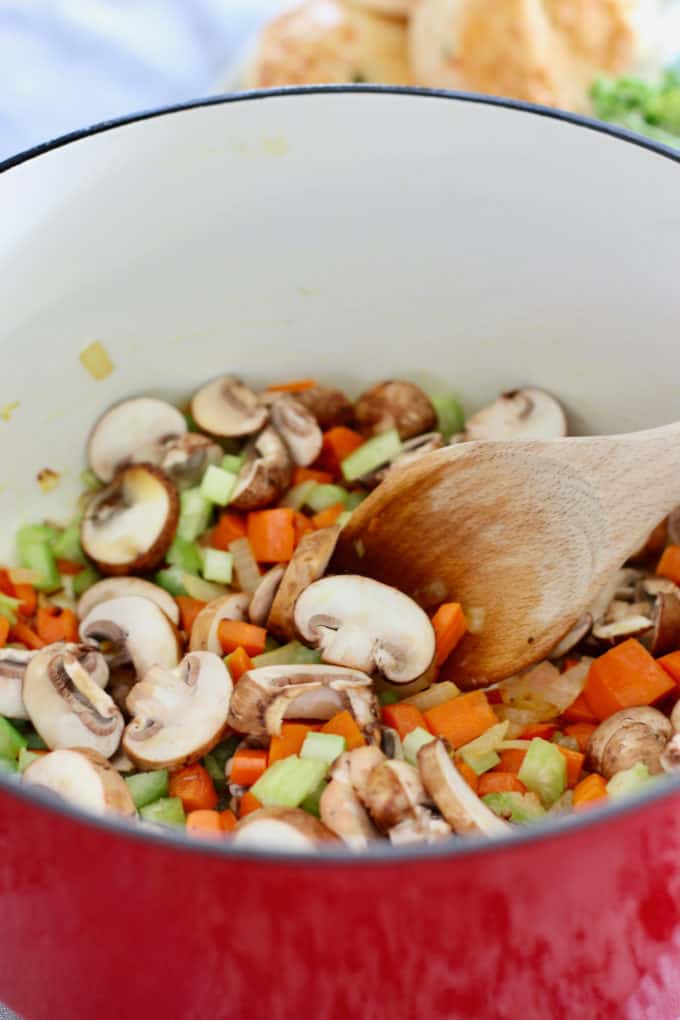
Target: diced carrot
{"x":403,"y":718}
{"x":228,"y":820}
{"x":580,"y":711}
{"x":623,"y":677}
{"x":303,"y":474}
{"x":271,"y":534}
{"x":69,"y":568}
{"x":544,"y":730}
{"x":233,"y":634}
{"x":462,"y":719}
{"x":302,"y":524}
{"x":205,"y":823}
{"x":238,"y":663}
{"x":500,"y":782}
{"x":338,"y":443}
{"x":56,"y":624}
{"x":669,"y":564}
{"x":581,"y":732}
{"x":194,"y":787}
{"x":327,"y":518}
{"x":468,"y":774}
{"x":289,"y":741}
{"x":574,"y":764}
{"x":343,"y":724}
{"x":248,"y":803}
{"x":4,"y":631}
{"x":29,"y":599}
{"x":247,"y":766}
{"x":7,"y":586}
{"x":22,"y":633}
{"x":188,"y":611}
{"x":590,"y":789}
{"x":449,"y":626}
{"x":510,"y":760}
{"x":671,"y":664}
{"x":229,"y":527}
{"x":294,"y":386}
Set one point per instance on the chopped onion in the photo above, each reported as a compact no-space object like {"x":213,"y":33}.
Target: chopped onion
{"x":206,"y":591}
{"x":245,"y":565}
{"x":475,"y":617}
{"x":543,"y":693}
{"x":296,"y":497}
{"x":95,"y":359}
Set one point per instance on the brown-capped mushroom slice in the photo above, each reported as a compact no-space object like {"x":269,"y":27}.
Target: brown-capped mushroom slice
{"x":186,"y":458}
{"x":329,"y":406}
{"x":66,"y":706}
{"x":630,"y":736}
{"x":366,"y":625}
{"x":424,"y":827}
{"x":298,"y":428}
{"x":459,"y":805}
{"x":264,"y":595}
{"x":343,"y":813}
{"x":84,"y":778}
{"x":136,"y":630}
{"x":665,"y":635}
{"x":519,"y":414}
{"x":132,"y":431}
{"x":307,"y":565}
{"x":265,"y":474}
{"x":204,"y":632}
{"x":354,"y":767}
{"x":393,"y":793}
{"x":633,"y":625}
{"x":395,"y":404}
{"x":178,"y":714}
{"x":119,"y":587}
{"x":670,"y":756}
{"x":226,"y":407}
{"x":264,"y":697}
{"x":129,"y":525}
{"x":13,"y":663}
{"x":281,"y":828}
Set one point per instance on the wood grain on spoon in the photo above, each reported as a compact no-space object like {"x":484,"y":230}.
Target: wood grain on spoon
{"x":527,"y":531}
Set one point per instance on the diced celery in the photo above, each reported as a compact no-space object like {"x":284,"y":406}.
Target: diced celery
{"x":296,"y":497}
{"x":185,"y":554}
{"x":66,"y":546}
{"x":311,"y":804}
{"x":195,"y":514}
{"x":34,"y":741}
{"x":8,"y":765}
{"x":203,"y":590}
{"x":232,"y":462}
{"x":629,"y":781}
{"x":217,"y":485}
{"x":216,"y":773}
{"x":413,"y":742}
{"x":191,"y":424}
{"x":480,"y":754}
{"x":481,"y":763}
{"x":373,"y":454}
{"x":450,"y":417}
{"x":271,"y":644}
{"x":26,"y":758}
{"x":289,"y":781}
{"x":354,"y":499}
{"x":388,"y":697}
{"x":89,"y":480}
{"x":9,"y":607}
{"x":343,"y":518}
{"x":164,"y":811}
{"x":37,"y":555}
{"x":515,"y":807}
{"x":11,"y":741}
{"x":323,"y":496}
{"x":84,"y":580}
{"x":226,"y":750}
{"x":293,"y":654}
{"x":436,"y":694}
{"x":146,"y":787}
{"x":544,"y":771}
{"x":172,"y":579}
{"x":32,"y":533}
{"x":217,"y":565}
{"x":323,"y":747}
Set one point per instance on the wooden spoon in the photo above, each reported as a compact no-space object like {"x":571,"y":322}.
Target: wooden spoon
{"x":526,"y":532}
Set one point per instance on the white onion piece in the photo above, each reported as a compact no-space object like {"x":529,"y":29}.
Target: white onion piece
{"x":245,"y":565}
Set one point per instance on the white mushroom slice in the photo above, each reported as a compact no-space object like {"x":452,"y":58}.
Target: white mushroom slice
{"x":264,"y":697}
{"x":130,"y":524}
{"x":137,"y":629}
{"x":665,"y":637}
{"x":13,"y":663}
{"x":119,"y":587}
{"x":84,"y":778}
{"x":519,"y":414}
{"x":424,"y":827}
{"x":265,"y":474}
{"x":343,"y":813}
{"x":179,"y":714}
{"x":298,"y":428}
{"x":204,"y":633}
{"x":186,"y":458}
{"x":620,"y":630}
{"x":280,"y":828}
{"x":307,"y":565}
{"x":134,"y":430}
{"x":630,"y":736}
{"x":654,"y":586}
{"x":225,"y":407}
{"x":460,"y":806}
{"x":571,"y":639}
{"x":264,"y":595}
{"x":366,"y":625}
{"x":354,"y":767}
{"x":66,"y":706}
{"x":395,"y":405}
{"x":393,"y":793}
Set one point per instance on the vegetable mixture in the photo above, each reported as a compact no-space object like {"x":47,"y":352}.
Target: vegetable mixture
{"x":182,"y":653}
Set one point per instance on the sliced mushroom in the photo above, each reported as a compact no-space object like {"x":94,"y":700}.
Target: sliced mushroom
{"x":178,"y":714}
{"x":204,"y":633}
{"x":119,"y":587}
{"x":366,"y":625}
{"x":83,"y":777}
{"x":395,"y":405}
{"x":129,"y":525}
{"x":519,"y":414}
{"x":308,"y":564}
{"x":576,"y":634}
{"x":265,"y":474}
{"x":138,"y":631}
{"x":424,"y":827}
{"x":264,"y":595}
{"x":343,"y":813}
{"x":13,"y":663}
{"x":630,"y":736}
{"x":393,"y":793}
{"x":186,"y":458}
{"x":665,"y":636}
{"x":329,"y":406}
{"x":354,"y":767}
{"x":264,"y":697}
{"x":654,"y":586}
{"x":633,"y":625}
{"x":225,"y":407}
{"x":460,"y":806}
{"x":66,"y":706}
{"x":132,"y":431}
{"x":281,"y":828}
{"x":298,"y":428}
{"x":411,"y":450}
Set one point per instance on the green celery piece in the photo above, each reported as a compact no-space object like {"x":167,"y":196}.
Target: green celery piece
{"x":66,"y":546}
{"x":89,"y":480}
{"x":36,"y":555}
{"x":217,"y":485}
{"x":324,"y":747}
{"x":9,"y":607}
{"x":271,"y":644}
{"x":172,"y":579}
{"x":26,"y":758}
{"x":11,"y":741}
{"x":544,"y":771}
{"x":164,"y":811}
{"x":629,"y":781}
{"x":232,"y":462}
{"x":84,"y":580}
{"x":185,"y":554}
{"x":311,"y":803}
{"x":293,"y":654}
{"x":217,"y":566}
{"x":481,"y":763}
{"x":146,"y":787}
{"x":388,"y":697}
{"x":323,"y":496}
{"x":32,"y":533}
{"x":515,"y":807}
{"x":191,"y":424}
{"x":296,"y":497}
{"x":344,"y":518}
{"x":212,"y":767}
{"x":450,"y":417}
{"x":289,"y":781}
{"x":354,"y":499}
{"x":195,"y":514}
{"x":226,"y":750}
{"x":8,"y":765}
{"x":413,"y":742}
{"x":373,"y":454}
{"x":34,"y":742}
